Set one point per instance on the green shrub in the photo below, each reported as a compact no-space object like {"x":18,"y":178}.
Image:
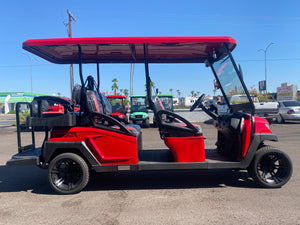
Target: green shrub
{"x":12,"y":112}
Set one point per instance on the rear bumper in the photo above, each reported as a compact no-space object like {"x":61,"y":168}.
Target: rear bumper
{"x":291,"y":116}
{"x":27,"y":158}
{"x":268,"y":116}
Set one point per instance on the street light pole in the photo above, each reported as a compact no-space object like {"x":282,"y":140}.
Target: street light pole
{"x":30,"y":59}
{"x":265,"y":51}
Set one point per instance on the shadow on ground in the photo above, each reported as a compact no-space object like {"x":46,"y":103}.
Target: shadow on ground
{"x":33,"y":179}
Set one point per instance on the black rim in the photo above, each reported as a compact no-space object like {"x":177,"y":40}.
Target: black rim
{"x":273,"y":168}
{"x":66,"y":174}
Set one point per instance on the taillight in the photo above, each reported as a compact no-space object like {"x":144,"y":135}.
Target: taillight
{"x":290,"y":111}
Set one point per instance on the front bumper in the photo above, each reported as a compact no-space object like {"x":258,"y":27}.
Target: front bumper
{"x":138,"y":120}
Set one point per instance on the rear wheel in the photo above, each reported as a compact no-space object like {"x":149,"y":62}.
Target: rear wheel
{"x":280,"y":119}
{"x":68,"y":173}
{"x":147,"y":124}
{"x":271,"y":167}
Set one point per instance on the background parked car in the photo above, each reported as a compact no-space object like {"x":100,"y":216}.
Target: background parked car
{"x":288,"y":110}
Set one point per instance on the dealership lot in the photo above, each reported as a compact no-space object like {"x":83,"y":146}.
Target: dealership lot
{"x":177,"y":197}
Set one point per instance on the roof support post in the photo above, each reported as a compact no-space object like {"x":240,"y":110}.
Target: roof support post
{"x":148,"y":79}
{"x":98,"y":77}
{"x":80,"y":65}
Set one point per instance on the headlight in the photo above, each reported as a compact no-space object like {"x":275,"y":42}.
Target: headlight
{"x":121,"y":116}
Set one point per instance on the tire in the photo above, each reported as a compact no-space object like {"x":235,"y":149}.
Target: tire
{"x":68,"y":173}
{"x":147,"y":124}
{"x":271,"y":167}
{"x":280,"y":119}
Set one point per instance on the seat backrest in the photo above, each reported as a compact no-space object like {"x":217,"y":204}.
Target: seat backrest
{"x":94,"y":102}
{"x":105,"y":104}
{"x":158,"y":106}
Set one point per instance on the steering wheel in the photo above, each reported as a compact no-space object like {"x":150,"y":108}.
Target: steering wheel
{"x":206,"y":110}
{"x":197,"y":103}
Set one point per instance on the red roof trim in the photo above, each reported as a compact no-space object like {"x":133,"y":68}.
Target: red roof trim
{"x":126,"y":40}
{"x":129,"y":49}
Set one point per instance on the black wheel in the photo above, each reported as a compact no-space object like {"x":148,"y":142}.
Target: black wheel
{"x":271,"y":168}
{"x":280,"y":119}
{"x":147,"y":124}
{"x":68,"y":173}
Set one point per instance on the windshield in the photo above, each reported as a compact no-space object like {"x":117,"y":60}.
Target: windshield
{"x":167,"y":101}
{"x":231,"y":85}
{"x":138,"y":104}
{"x":117,"y":105}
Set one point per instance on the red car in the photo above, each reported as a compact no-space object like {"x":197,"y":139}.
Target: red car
{"x":92,"y":140}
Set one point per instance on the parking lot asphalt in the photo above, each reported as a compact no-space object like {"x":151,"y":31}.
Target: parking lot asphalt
{"x":177,"y":197}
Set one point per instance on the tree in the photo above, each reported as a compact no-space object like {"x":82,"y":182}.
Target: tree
{"x":121,"y":91}
{"x":178,"y":93}
{"x":126,"y":92}
{"x":192,"y":93}
{"x":115,"y":87}
{"x":171,"y":90}
{"x":152,"y":85}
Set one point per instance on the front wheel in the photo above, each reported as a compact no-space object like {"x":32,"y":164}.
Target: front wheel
{"x":68,"y":173}
{"x":271,"y":167}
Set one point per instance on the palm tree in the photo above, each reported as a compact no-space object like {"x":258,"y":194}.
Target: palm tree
{"x":121,"y":91}
{"x":192,"y":93}
{"x":152,"y":85}
{"x":126,"y":93}
{"x":178,"y":93}
{"x":115,"y":87}
{"x":171,"y":90}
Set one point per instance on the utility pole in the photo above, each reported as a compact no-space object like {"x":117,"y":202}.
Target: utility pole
{"x":132,"y":65}
{"x":265,"y":51}
{"x":71,"y":18}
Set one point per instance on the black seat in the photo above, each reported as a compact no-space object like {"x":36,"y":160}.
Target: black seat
{"x":98,"y":107}
{"x":172,"y":125}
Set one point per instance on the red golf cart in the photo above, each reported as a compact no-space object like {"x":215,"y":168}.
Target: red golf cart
{"x":117,"y":103}
{"x":77,"y":143}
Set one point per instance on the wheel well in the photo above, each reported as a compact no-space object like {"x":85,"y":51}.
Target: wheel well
{"x":76,"y":151}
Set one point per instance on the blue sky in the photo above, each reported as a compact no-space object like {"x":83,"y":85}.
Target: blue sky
{"x":254,"y":24}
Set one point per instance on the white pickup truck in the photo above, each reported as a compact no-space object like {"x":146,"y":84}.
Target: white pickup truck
{"x":267,"y":110}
